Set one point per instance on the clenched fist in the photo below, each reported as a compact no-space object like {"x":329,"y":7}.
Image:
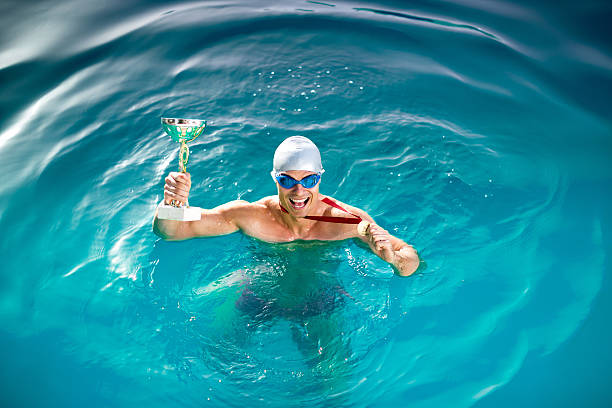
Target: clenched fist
{"x":176,"y":189}
{"x":380,"y":240}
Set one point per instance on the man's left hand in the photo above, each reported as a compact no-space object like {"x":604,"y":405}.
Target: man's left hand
{"x":380,"y":240}
{"x":405,"y":259}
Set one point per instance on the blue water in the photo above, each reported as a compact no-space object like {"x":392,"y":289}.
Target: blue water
{"x":478,"y":131}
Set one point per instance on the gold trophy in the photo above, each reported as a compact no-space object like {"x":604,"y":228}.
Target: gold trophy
{"x":182,"y":131}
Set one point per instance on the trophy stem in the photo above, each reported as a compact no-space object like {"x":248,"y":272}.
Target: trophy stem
{"x":183,"y":160}
{"x":183,"y":157}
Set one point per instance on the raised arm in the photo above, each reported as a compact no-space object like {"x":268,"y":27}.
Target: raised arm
{"x":217,"y":221}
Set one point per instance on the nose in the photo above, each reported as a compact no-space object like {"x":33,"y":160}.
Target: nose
{"x":298,"y":188}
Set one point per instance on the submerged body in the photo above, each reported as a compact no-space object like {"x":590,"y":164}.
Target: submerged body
{"x":292,"y":286}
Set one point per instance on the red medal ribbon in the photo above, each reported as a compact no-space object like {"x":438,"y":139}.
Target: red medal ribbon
{"x":337,"y":220}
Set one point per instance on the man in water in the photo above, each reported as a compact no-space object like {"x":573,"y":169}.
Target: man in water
{"x":298,"y":212}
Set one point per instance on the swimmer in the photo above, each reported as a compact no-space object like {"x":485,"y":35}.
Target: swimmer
{"x":298,"y":212}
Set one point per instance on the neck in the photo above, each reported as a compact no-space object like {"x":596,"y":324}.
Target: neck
{"x":300,"y":225}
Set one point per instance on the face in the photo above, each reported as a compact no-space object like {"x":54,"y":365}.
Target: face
{"x":298,"y":200}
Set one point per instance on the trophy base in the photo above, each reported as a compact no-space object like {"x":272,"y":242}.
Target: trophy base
{"x":168,"y":212}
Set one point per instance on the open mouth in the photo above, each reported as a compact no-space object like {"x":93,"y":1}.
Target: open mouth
{"x":299,"y":204}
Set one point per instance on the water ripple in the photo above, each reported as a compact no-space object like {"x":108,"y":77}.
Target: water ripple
{"x":434,"y":21}
{"x":448,"y":124}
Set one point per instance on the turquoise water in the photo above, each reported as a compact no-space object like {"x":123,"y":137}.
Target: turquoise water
{"x":478,"y":131}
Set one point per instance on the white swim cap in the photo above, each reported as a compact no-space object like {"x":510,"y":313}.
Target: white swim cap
{"x":297,"y":153}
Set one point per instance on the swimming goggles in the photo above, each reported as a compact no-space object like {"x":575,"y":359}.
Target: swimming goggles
{"x":288,"y":182}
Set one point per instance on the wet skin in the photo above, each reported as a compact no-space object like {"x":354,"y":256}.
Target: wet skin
{"x":264,"y":220}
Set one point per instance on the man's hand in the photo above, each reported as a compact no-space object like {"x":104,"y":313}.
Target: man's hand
{"x":395,"y":251}
{"x":380,"y":240}
{"x":177,"y":188}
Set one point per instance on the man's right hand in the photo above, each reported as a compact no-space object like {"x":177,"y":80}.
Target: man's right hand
{"x":177,"y":188}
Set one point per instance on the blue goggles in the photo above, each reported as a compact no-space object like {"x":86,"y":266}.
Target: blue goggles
{"x":286,"y":181}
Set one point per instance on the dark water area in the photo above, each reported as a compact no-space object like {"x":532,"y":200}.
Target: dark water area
{"x":478,"y":131}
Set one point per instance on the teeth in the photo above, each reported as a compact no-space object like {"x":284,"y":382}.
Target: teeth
{"x":301,"y":203}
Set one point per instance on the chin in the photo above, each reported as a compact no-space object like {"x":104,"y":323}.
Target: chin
{"x":299,"y":212}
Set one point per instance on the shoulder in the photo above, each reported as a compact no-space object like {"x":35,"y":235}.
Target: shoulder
{"x":267,"y":204}
{"x":240,"y":211}
{"x":268,"y":201}
{"x":259,"y":219}
{"x":238,"y":207}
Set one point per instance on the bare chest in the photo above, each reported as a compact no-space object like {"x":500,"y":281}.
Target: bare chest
{"x":274,"y":230}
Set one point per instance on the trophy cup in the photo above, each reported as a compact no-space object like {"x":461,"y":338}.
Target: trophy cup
{"x":182,"y":131}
